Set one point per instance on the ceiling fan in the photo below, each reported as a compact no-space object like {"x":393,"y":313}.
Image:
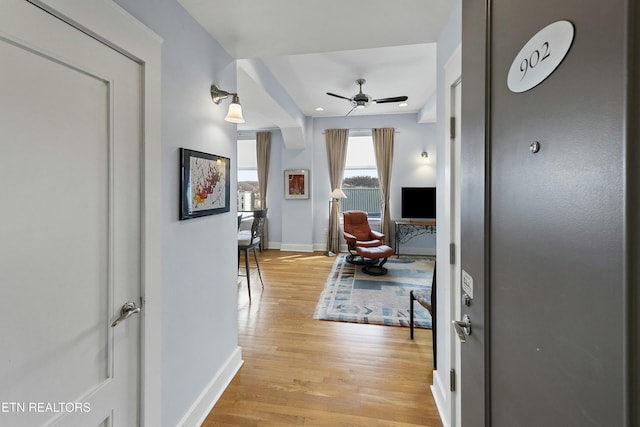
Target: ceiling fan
{"x":361,"y":100}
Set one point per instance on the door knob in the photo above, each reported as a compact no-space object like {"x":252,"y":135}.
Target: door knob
{"x":463,"y":328}
{"x":127,"y":310}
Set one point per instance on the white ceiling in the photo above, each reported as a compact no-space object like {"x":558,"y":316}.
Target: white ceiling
{"x":312,"y":47}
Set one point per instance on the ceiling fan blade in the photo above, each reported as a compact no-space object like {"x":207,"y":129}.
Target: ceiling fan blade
{"x":338,"y":96}
{"x":394,"y":99}
{"x":350,"y":111}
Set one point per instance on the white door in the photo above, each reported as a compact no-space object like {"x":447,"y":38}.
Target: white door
{"x":69,"y":225}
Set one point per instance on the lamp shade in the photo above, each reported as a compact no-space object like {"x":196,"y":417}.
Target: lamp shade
{"x":235,"y":113}
{"x":338,"y":194}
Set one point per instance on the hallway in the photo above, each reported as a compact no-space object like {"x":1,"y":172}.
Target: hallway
{"x":301,"y":371}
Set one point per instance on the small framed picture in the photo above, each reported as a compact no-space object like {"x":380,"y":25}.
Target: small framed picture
{"x":205,"y":180}
{"x":296,"y":184}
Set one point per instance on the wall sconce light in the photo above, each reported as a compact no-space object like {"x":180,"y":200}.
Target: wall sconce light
{"x":234,"y":115}
{"x":425,"y":156}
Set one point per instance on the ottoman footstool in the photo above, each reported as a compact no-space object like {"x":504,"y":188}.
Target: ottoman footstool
{"x":379,"y":253}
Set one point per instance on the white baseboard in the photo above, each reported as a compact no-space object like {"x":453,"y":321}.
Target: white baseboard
{"x":199,"y":410}
{"x":438,"y":390}
{"x":296,"y":248}
{"x":274,"y":245}
{"x":319,"y":247}
{"x":407,"y":250}
{"x":322,"y":247}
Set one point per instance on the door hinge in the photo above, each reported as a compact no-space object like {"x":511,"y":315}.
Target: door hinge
{"x":452,"y":380}
{"x":453,"y":127}
{"x":452,"y":253}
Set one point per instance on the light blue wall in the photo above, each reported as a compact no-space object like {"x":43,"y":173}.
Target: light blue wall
{"x":199,"y":256}
{"x":297,"y":214}
{"x":411,"y":139}
{"x":303,"y":223}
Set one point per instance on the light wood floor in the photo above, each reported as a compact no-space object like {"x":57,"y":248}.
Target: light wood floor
{"x":301,"y":371}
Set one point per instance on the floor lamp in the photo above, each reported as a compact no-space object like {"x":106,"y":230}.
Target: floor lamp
{"x":336,"y":195}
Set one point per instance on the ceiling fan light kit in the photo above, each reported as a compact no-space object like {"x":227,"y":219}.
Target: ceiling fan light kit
{"x":362,"y":100}
{"x":359,"y":104}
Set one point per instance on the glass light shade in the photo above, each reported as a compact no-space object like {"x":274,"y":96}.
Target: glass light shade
{"x":338,"y":194}
{"x":235,"y":113}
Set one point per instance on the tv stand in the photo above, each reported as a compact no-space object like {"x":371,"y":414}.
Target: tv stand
{"x":407,"y":229}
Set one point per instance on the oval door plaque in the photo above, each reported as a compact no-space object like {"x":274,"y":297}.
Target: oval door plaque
{"x":539,"y":58}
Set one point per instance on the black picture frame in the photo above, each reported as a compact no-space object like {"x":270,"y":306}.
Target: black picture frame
{"x":204,"y":184}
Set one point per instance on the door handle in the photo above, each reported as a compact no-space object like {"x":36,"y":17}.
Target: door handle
{"x":127,"y":310}
{"x":463,"y":329}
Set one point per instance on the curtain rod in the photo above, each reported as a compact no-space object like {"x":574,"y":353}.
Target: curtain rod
{"x":396,"y":130}
{"x":252,"y":133}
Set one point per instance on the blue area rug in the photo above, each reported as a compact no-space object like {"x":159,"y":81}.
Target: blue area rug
{"x":353,"y":296}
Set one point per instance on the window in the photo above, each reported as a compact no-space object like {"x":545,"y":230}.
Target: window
{"x":248,"y":190}
{"x":360,"y":184}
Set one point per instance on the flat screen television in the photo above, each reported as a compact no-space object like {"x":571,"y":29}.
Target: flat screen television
{"x":418,"y":202}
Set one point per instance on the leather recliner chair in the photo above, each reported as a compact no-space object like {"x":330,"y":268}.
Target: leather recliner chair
{"x":358,"y":232}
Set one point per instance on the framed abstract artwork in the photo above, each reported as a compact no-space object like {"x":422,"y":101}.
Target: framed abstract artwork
{"x":204,"y":184}
{"x":296,"y":184}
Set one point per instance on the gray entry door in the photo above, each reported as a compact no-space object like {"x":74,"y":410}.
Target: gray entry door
{"x":473,"y":206}
{"x":552,"y":320}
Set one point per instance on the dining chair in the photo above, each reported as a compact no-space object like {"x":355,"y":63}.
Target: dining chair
{"x":250,"y":240}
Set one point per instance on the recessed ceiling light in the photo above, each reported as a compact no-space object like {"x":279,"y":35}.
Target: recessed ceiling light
{"x":403,"y":104}
{"x":319,"y":109}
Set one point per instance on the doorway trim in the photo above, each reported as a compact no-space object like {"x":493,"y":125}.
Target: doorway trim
{"x":441,"y":377}
{"x":113,"y":26}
